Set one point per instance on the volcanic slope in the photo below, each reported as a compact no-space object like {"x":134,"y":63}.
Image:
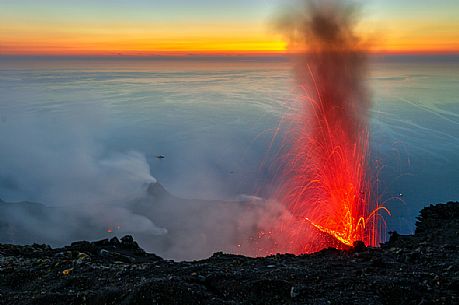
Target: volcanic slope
{"x":410,"y":269}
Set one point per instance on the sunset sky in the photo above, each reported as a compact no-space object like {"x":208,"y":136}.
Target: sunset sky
{"x":149,"y":27}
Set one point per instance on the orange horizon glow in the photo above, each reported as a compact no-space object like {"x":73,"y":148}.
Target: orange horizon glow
{"x":129,"y":52}
{"x":244,"y":46}
{"x":163,"y":39}
{"x":216,"y":53}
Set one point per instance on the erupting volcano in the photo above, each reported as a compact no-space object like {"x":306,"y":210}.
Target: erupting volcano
{"x":326,"y":181}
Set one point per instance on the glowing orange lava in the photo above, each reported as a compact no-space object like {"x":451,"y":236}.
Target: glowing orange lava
{"x":326,"y":185}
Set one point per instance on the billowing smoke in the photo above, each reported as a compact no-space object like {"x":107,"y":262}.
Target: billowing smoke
{"x":82,"y":190}
{"x":330,"y":61}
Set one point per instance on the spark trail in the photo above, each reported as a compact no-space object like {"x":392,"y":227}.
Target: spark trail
{"x":327,"y":185}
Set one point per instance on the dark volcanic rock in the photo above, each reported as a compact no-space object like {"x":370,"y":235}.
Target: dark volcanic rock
{"x":418,"y":269}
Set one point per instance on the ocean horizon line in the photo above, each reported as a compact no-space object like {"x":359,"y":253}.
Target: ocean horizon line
{"x":231,"y":56}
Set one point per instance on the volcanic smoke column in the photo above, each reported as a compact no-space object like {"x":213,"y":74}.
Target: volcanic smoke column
{"x":326,"y":185}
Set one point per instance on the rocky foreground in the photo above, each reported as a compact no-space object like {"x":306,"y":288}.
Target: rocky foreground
{"x":418,"y":269}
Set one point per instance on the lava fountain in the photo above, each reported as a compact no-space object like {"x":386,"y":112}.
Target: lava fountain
{"x":326,"y":182}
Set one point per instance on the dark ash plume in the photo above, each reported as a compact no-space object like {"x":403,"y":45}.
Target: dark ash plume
{"x":331,"y":62}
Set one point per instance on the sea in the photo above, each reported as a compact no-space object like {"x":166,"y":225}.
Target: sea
{"x":81,"y":129}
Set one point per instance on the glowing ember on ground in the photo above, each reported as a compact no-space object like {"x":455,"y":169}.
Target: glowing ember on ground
{"x":327,"y":187}
{"x":112,"y":229}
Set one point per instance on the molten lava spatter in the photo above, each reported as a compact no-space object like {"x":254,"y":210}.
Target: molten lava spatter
{"x":327,"y":187}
